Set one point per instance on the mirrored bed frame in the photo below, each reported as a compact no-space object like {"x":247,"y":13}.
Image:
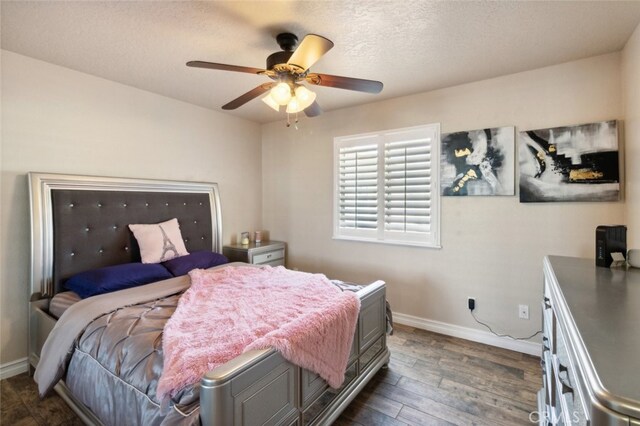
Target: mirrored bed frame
{"x":80,"y":223}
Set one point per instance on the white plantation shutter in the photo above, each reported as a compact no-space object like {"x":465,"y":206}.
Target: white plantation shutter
{"x":386,"y":186}
{"x":407,"y":186}
{"x":358,"y":187}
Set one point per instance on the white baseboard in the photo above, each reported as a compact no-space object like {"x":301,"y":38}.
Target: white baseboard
{"x":481,"y":336}
{"x":13,"y":368}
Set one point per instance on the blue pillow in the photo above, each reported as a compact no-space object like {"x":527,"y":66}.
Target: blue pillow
{"x":198,"y":259}
{"x":117,"y":277}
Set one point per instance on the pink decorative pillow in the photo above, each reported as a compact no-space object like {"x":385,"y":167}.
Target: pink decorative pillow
{"x":159,"y":241}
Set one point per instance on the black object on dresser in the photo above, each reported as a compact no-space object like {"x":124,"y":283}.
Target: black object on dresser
{"x":591,"y":344}
{"x":610,"y":239}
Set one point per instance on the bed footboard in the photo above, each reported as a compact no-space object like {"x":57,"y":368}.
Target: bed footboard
{"x":262,"y":388}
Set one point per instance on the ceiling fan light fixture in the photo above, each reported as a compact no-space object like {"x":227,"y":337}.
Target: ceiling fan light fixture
{"x":294,"y":106}
{"x":301,"y":100}
{"x":281,"y":93}
{"x":268,"y":99}
{"x":304,"y":96}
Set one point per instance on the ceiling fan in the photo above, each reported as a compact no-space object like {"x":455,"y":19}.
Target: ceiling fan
{"x":288,"y":69}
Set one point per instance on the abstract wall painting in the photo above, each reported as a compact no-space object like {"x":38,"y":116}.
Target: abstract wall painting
{"x":572,"y":163}
{"x":478,"y":162}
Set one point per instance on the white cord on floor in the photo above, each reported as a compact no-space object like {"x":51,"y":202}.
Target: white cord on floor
{"x":504,"y":335}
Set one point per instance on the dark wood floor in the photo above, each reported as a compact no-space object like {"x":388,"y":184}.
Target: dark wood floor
{"x":440,"y":380}
{"x":432,"y":380}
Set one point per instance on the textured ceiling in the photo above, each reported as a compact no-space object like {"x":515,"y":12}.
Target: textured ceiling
{"x":411,"y":46}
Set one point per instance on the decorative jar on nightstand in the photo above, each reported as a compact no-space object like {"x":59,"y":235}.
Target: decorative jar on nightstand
{"x":263,"y":253}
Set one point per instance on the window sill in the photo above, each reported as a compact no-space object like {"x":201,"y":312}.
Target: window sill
{"x":387,"y":242}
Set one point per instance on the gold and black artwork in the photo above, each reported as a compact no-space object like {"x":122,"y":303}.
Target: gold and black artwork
{"x":478,"y":162}
{"x":572,"y":163}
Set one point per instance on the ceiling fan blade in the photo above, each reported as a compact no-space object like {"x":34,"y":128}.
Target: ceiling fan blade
{"x":309,"y":51}
{"x":313,"y":110}
{"x":224,"y":67}
{"x":349,"y":83}
{"x":251,"y":94}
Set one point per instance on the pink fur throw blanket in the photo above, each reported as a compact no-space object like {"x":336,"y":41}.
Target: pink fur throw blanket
{"x":233,"y":310}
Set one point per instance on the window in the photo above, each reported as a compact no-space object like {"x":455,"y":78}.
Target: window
{"x":386,"y":186}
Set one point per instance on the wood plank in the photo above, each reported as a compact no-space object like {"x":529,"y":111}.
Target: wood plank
{"x":429,"y":406}
{"x":24,"y":421}
{"x":425,"y":352}
{"x":462,"y":402}
{"x":378,"y":402}
{"x":518,"y":409}
{"x":417,"y":372}
{"x":502,"y":389}
{"x":8,"y":394}
{"x":12,"y":409}
{"x":360,"y":413}
{"x":403,"y":358}
{"x":496,"y":368}
{"x":403,"y":327}
{"x":415,"y":417}
{"x":387,"y":375}
{"x":495,"y":356}
{"x":471,"y":364}
{"x":533,"y":377}
{"x":441,"y":339}
{"x":487,"y":373}
{"x":51,"y":410}
{"x":342,"y":421}
{"x":426,"y":356}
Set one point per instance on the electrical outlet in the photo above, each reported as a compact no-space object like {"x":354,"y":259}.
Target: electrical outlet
{"x":523,"y":311}
{"x":471,"y":303}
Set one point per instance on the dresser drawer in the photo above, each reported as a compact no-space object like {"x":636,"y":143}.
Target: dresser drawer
{"x":568,"y":384}
{"x":268,"y":257}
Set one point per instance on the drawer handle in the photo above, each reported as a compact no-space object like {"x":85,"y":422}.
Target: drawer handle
{"x":563,"y":369}
{"x":268,"y":256}
{"x":566,"y":388}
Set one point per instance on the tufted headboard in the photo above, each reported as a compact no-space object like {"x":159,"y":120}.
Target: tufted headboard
{"x":80,"y":222}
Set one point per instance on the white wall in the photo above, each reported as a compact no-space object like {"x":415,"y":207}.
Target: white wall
{"x":58,"y":120}
{"x":492,"y":246}
{"x":631,"y":94}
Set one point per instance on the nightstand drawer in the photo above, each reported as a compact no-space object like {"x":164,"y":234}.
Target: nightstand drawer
{"x":265,"y":253}
{"x":269,"y":256}
{"x":277,"y":262}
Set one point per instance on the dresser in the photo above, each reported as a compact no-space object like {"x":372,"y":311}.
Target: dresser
{"x":591,"y":344}
{"x":264,"y":253}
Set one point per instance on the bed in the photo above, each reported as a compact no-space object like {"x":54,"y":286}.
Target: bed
{"x":79,"y":223}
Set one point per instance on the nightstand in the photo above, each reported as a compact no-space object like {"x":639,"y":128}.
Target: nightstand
{"x":264,"y":253}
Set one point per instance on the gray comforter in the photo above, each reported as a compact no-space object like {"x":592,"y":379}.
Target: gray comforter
{"x":116,"y":343}
{"x":112,"y":345}
{"x":117,"y":364}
